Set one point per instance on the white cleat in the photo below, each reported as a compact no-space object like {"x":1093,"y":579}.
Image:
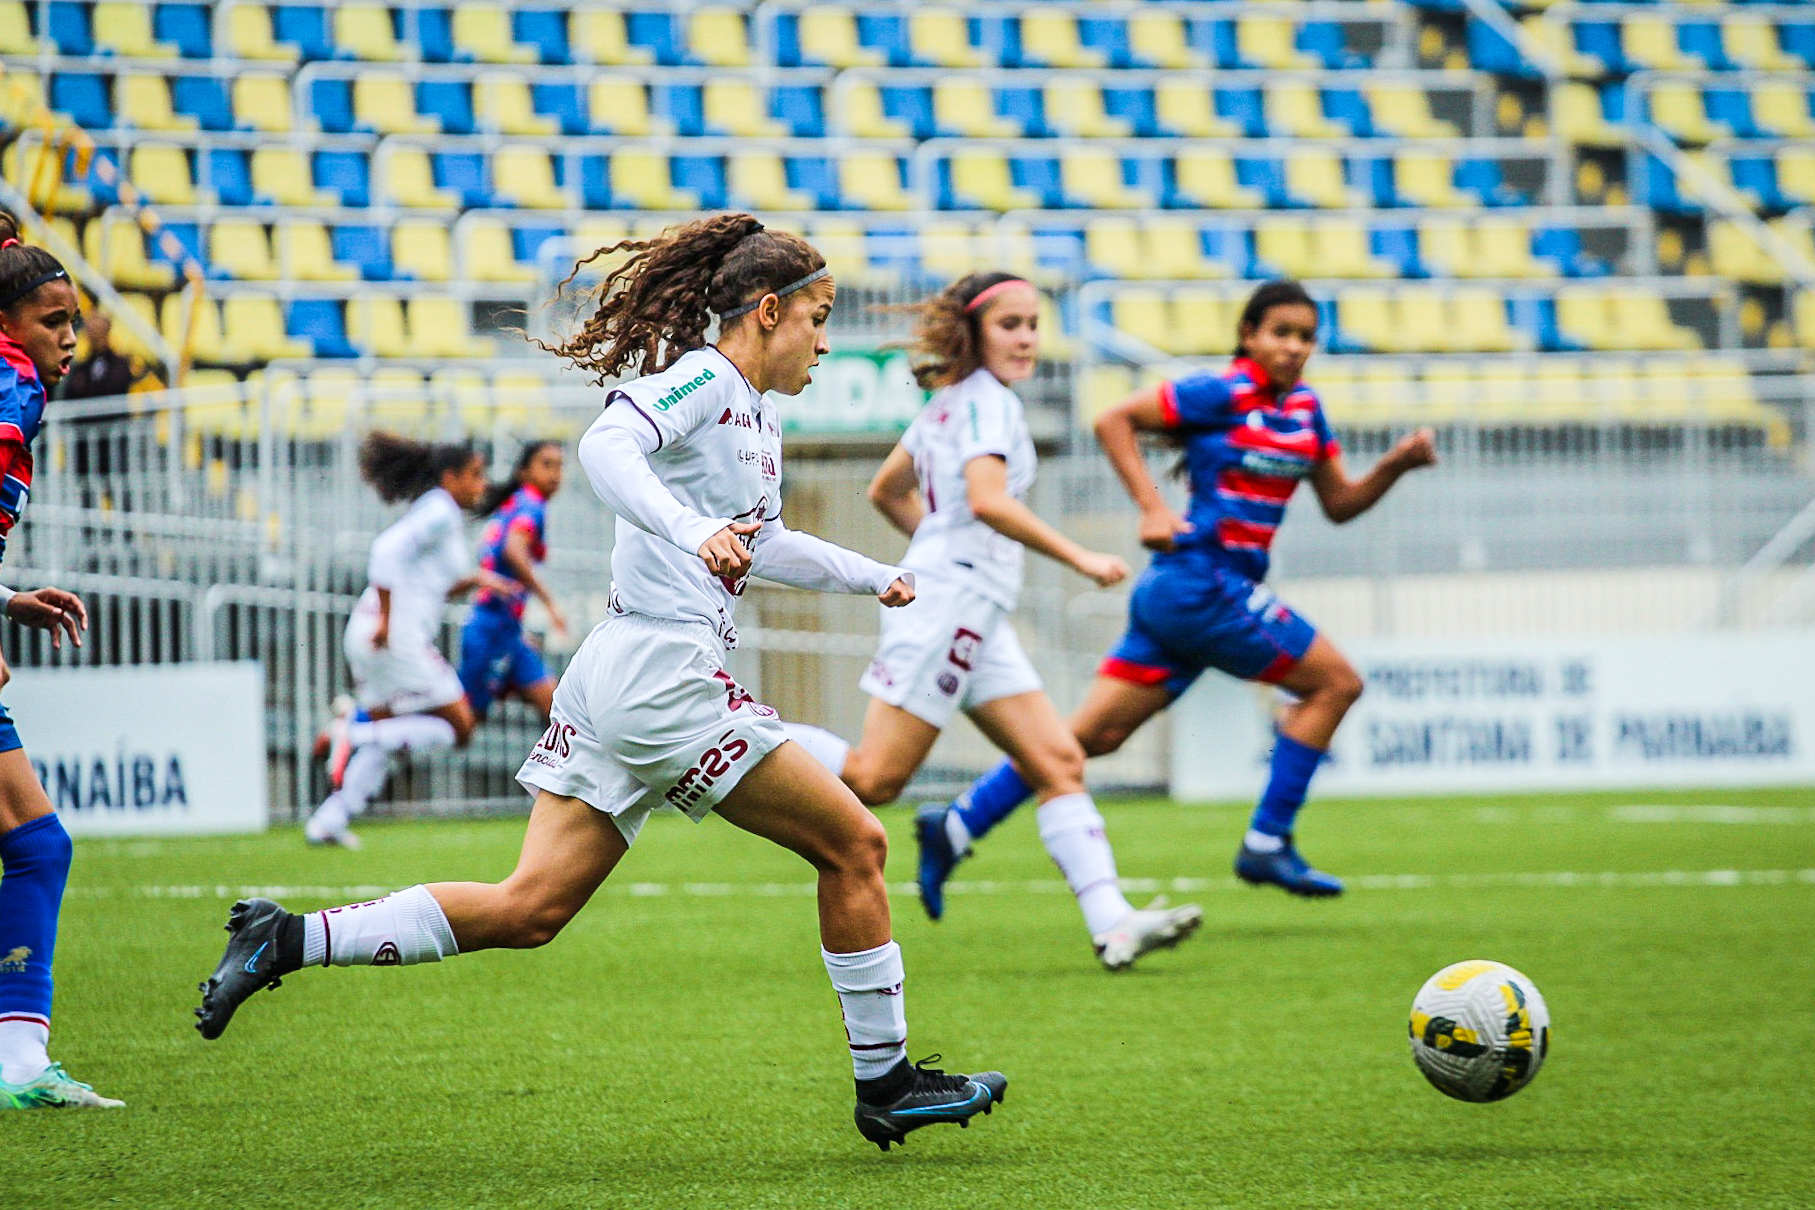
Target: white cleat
{"x":343,"y":838}
{"x":1154,"y":927}
{"x":55,"y":1089}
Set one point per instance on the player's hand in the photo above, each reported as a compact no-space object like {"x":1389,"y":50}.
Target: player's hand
{"x":725,"y":552}
{"x":1161,"y":527}
{"x":897,"y":594}
{"x":557,"y":621}
{"x":50,"y":609}
{"x":381,"y":637}
{"x":1414,"y":450}
{"x":1104,"y":569}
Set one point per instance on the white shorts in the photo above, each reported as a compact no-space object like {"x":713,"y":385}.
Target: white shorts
{"x":951,"y":649}
{"x":644,"y":715}
{"x":403,"y":679}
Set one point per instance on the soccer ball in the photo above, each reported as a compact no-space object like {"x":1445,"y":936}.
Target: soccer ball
{"x":1479,"y":1030}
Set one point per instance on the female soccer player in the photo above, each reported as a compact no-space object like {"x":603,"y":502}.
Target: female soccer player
{"x":408,"y":696}
{"x":689,"y":458}
{"x":954,"y":484}
{"x":38,"y":311}
{"x":1249,"y":434}
{"x":495,"y":659}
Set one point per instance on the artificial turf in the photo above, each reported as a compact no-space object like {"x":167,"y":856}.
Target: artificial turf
{"x":679,"y":1045}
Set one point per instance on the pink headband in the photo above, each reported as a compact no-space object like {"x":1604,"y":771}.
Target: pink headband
{"x":990,"y":292}
{"x":11,"y":242}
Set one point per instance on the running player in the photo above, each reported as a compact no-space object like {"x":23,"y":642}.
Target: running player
{"x":1248,"y":434}
{"x":955,"y":484}
{"x":495,"y":659}
{"x":408,"y":697}
{"x":689,"y":458}
{"x":38,"y":311}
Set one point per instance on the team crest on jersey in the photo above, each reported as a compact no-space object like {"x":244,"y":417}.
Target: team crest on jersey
{"x":965,"y":643}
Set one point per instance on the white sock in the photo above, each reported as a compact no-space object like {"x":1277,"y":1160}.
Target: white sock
{"x":24,"y":1053}
{"x":821,"y":745}
{"x":364,"y":778}
{"x":959,"y":835}
{"x":416,"y":731}
{"x":330,"y":819}
{"x":1073,"y":833}
{"x":401,"y":929}
{"x":1263,"y":842}
{"x":868,"y":984}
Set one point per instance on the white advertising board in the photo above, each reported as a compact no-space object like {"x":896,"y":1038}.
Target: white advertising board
{"x":1485,"y":715}
{"x":165,"y":750}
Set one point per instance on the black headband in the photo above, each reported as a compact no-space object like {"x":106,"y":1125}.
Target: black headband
{"x":9,"y":299}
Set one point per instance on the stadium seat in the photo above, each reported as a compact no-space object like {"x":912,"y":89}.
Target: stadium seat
{"x":758,"y":181}
{"x":375,"y":324}
{"x":1580,"y":117}
{"x":1783,"y":109}
{"x":598,"y":36}
{"x":736,"y":107}
{"x":307,"y":253}
{"x":1208,"y":178}
{"x":503,"y":104}
{"x":1341,"y":248}
{"x":1074,"y":107}
{"x":250,"y":36}
{"x":242,"y":248}
{"x":386,"y":102}
{"x":125,"y":30}
{"x":1143,"y":313}
{"x":346,"y":174}
{"x":526,"y":176}
{"x":143,"y":102}
{"x":873,"y":180}
{"x":1752,"y":42}
{"x":1115,"y":248}
{"x":367,"y":32}
{"x":1203,"y":324}
{"x":1735,"y":254}
{"x":1474,"y":321}
{"x":1293,"y":110}
{"x":1428,"y":179}
{"x":1677,"y":109}
{"x":828,"y":37}
{"x":487,"y":255}
{"x":66,"y":28}
{"x":281,"y":176}
{"x":410,"y":181}
{"x":1097,"y":178}
{"x":1405,"y":110}
{"x":981,"y":178}
{"x":1652,"y":43}
{"x":16,"y":37}
{"x":1317,"y":179}
{"x":262,"y":102}
{"x":483,"y":32}
{"x":965,"y":105}
{"x":643,"y":179}
{"x":1050,"y":39}
{"x":621,"y":106}
{"x":1270,"y":42}
{"x":117,"y":248}
{"x":163,"y":175}
{"x":1369,"y":319}
{"x":940,"y":37}
{"x":420,"y":250}
{"x":719,"y":37}
{"x":1796,"y":174}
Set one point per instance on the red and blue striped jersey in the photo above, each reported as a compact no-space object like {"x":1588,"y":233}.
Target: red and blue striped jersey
{"x":526,"y":511}
{"x":21,"y":412}
{"x":1246,"y":448}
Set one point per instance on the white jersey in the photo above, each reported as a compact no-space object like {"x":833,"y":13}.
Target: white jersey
{"x":976,"y":418}
{"x":678,"y":456}
{"x":419,"y":559}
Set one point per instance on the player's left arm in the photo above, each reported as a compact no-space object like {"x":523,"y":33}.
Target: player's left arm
{"x":53,"y":609}
{"x":895,"y":491}
{"x":1344,"y":499}
{"x":517,"y":561}
{"x":801,"y":560}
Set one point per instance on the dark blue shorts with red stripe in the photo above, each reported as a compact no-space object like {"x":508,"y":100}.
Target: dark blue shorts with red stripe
{"x":1187,"y":615}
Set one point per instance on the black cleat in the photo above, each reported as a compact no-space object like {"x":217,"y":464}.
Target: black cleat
{"x":251,"y":962}
{"x":930,"y":1096}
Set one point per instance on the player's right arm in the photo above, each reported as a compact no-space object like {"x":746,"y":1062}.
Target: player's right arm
{"x":1198,"y":401}
{"x":895,"y":491}
{"x":986,"y":489}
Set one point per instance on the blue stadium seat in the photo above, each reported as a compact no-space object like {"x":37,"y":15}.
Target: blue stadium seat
{"x":331,"y":102}
{"x":1215,"y":40}
{"x":526,"y":242}
{"x":544,"y":29}
{"x":595,"y":183}
{"x":816,"y":175}
{"x":1245,"y":107}
{"x":704,"y":175}
{"x":1000,"y":39}
{"x":563,"y":102}
{"x":1040,"y":174}
{"x":1563,"y":245}
{"x":306,"y":27}
{"x":1373,"y":177}
{"x":1109,"y":37}
{"x":83,"y":97}
{"x":1799,"y":40}
{"x":464,"y":174}
{"x":1601,"y":39}
{"x":229,"y":174}
{"x":681,"y":104}
{"x":1324,"y":40}
{"x":1490,"y":50}
{"x":1025,"y":106}
{"x":205,"y":99}
{"x":886,"y":32}
{"x":368,"y":248}
{"x":323,"y":322}
{"x":1232,"y":244}
{"x":801,"y":107}
{"x":1659,"y":188}
{"x":1134,"y":106}
{"x":450,"y":101}
{"x":1536,"y":315}
{"x":659,"y":32}
{"x":1757,"y":176}
{"x":347,"y":173}
{"x":911,"y":105}
{"x":1702,"y":39}
{"x":68,"y":29}
{"x":189,"y":27}
{"x":1483,"y":178}
{"x":1348,"y":106}
{"x":1397,"y":244}
{"x":435,"y":33}
{"x":1732,"y":108}
{"x":189,"y":235}
{"x":1265,"y":176}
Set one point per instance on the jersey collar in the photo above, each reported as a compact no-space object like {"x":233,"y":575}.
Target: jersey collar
{"x":1255,"y":374}
{"x":14,"y":356}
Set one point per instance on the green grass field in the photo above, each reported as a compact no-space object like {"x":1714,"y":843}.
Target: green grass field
{"x":679,"y":1045}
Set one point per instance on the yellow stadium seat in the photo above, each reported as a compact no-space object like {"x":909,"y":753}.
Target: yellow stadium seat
{"x":307,"y":253}
{"x":16,"y":30}
{"x":1576,"y":109}
{"x":252,"y":329}
{"x":1555,"y":37}
{"x":941,"y":36}
{"x":526,"y":176}
{"x":439,"y":327}
{"x":1096,"y":177}
{"x":643,"y":177}
{"x":1796,"y":174}
{"x":1335,"y":388}
{"x":117,"y":248}
{"x":621,"y":106}
{"x":1652,"y":42}
{"x":1450,"y":388}
{"x":249,"y":35}
{"x":598,"y":35}
{"x":873,"y":180}
{"x":1055,"y":342}
{"x":1185,"y":106}
{"x":981,"y":176}
{"x":161,"y":173}
{"x":736,"y":107}
{"x":597,"y":232}
{"x":758,"y":179}
{"x":503,"y":103}
{"x":1116,"y":245}
{"x":1737,"y":255}
{"x":1208,"y":178}
{"x":828,"y":34}
{"x":841,"y":242}
{"x":1611,"y":385}
{"x":143,"y":101}
{"x":243,"y":249}
{"x":1678,"y":109}
{"x":1317,"y":177}
{"x":1727,"y":388}
{"x":948,"y":248}
{"x":366,"y":30}
{"x":283,"y":176}
{"x":386,"y":102}
{"x":1405,"y":110}
{"x":1503,"y":389}
{"x":394,"y":398}
{"x":486,"y":254}
{"x":1293,"y":110}
{"x":859,"y":111}
{"x":1075,"y":107}
{"x":1584,"y":316}
{"x":1267,"y":42}
{"x":326,"y":405}
{"x":719,"y":37}
{"x":1103,"y":387}
{"x":1143,"y":314}
{"x":1177,"y":248}
{"x":1383,"y":392}
{"x":1752,"y":42}
{"x":1369,"y":316}
{"x":1559,"y":389}
{"x":1643,"y":320}
{"x":125,"y":29}
{"x":375,"y":323}
{"x":419,"y":247}
{"x":263,"y":103}
{"x":1428,"y":179}
{"x":1203,"y":324}
{"x":1340,"y":248}
{"x":1783,"y":109}
{"x":1051,"y":38}
{"x":966,"y":104}
{"x":1284,"y":244}
{"x":1447,"y":246}
{"x":1160,"y":39}
{"x":1502,"y":248}
{"x":410,"y":181}
{"x":483,"y":31}
{"x":1475,"y":322}
{"x":193,"y":327}
{"x":464,"y":391}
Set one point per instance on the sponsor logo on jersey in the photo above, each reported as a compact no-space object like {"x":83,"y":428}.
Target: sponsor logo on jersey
{"x":14,"y":963}
{"x":712,"y":765}
{"x":681,"y":392}
{"x":555,"y":745}
{"x":736,"y":697}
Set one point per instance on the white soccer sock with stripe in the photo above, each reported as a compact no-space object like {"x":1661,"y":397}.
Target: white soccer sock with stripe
{"x":23,"y":1049}
{"x":1073,"y":833}
{"x":868,"y":984}
{"x":821,"y":745}
{"x":401,"y":929}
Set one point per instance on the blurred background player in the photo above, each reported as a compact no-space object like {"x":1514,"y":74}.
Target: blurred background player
{"x":102,"y":370}
{"x":689,"y":458}
{"x":1248,"y":435}
{"x":38,"y":311}
{"x":496,"y":660}
{"x":955,"y":484}
{"x":407,"y":696}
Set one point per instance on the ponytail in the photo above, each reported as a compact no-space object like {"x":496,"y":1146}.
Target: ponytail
{"x":658,"y":305}
{"x":401,"y":469}
{"x":497,"y":493}
{"x":23,"y":268}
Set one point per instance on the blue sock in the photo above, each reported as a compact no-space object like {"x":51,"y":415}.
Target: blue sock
{"x":1293,"y":765}
{"x":34,"y":866}
{"x":991,"y":799}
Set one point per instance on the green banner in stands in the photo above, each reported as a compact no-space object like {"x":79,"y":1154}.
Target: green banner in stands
{"x":853,"y":394}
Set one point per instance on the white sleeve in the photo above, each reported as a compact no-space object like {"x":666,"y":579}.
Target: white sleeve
{"x":394,"y":550}
{"x":615,"y":454}
{"x":800,"y":560}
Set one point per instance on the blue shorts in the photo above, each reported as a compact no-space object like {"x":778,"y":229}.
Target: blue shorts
{"x":1184,"y":618}
{"x":9,"y":734}
{"x":495,"y":659}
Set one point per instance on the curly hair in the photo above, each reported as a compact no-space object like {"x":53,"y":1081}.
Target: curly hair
{"x":1282,"y":292}
{"x":658,"y":304}
{"x":24,"y":269}
{"x":948,"y":338}
{"x":401,"y":469}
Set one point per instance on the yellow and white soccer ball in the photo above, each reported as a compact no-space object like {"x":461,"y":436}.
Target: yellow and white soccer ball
{"x":1479,"y":1030}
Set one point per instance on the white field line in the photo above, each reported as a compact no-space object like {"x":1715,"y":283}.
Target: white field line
{"x":1046,"y":886}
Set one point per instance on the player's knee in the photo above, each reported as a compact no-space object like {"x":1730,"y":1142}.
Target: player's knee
{"x":873,"y":786}
{"x":1103,"y":739}
{"x":1057,"y":766}
{"x":862,"y":849}
{"x":539,"y":924}
{"x":1346,"y":686}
